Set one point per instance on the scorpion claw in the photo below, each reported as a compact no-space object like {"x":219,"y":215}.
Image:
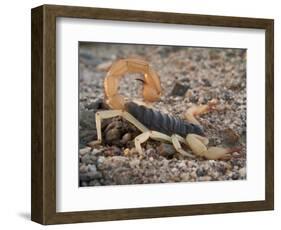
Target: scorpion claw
{"x":216,"y":153}
{"x":198,"y":146}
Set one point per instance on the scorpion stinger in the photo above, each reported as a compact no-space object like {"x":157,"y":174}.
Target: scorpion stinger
{"x":155,"y":124}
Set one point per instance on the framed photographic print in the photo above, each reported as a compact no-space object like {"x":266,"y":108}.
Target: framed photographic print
{"x":140,"y":114}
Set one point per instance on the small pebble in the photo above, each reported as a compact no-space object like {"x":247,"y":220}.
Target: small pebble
{"x":126,"y":152}
{"x":185,"y":176}
{"x":85,"y":150}
{"x":205,"y":178}
{"x":166,"y":150}
{"x":101,"y":159}
{"x":193,"y":174}
{"x":84,"y":184}
{"x":235,"y":176}
{"x":242,"y":172}
{"x":83,"y":168}
{"x":86,"y":159}
{"x":94,"y":183}
{"x":112,"y":151}
{"x":92,"y":168}
{"x":215,"y":174}
{"x":150,"y":152}
{"x":112,"y":135}
{"x":230,"y":136}
{"x":134,"y":163}
{"x":97,"y":104}
{"x":94,"y":175}
{"x":182,"y":164}
{"x":179,"y":89}
{"x":201,"y":172}
{"x":96,"y":151}
{"x":126,"y":137}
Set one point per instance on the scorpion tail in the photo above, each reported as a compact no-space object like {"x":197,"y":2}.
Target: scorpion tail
{"x":151,"y":83}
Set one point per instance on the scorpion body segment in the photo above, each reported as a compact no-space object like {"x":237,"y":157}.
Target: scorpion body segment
{"x":162,"y":122}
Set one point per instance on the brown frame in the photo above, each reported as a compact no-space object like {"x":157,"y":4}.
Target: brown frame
{"x":43,"y":188}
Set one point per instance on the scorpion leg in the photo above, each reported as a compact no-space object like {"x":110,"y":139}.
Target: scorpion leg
{"x":134,"y":121}
{"x":101,"y":115}
{"x":160,"y":137}
{"x":150,"y":134}
{"x":176,"y":139}
{"x":141,"y":139}
{"x":197,"y":110}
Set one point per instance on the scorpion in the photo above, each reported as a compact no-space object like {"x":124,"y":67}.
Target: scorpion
{"x":152,"y":123}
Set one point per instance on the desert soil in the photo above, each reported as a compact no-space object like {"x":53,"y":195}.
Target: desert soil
{"x":189,"y":76}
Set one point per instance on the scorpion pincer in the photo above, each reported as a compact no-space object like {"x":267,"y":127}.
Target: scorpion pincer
{"x":152,"y":123}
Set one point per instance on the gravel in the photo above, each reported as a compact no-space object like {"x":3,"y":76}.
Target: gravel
{"x":188,"y":76}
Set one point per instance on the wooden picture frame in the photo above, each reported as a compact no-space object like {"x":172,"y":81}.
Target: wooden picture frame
{"x":43,"y":208}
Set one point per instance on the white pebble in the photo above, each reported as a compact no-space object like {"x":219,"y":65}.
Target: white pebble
{"x":84,"y":151}
{"x":242,"y":172}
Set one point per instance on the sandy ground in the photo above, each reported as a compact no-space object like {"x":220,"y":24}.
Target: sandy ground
{"x":188,"y":76}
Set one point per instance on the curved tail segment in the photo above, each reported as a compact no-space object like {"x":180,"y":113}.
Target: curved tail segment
{"x":151,"y":83}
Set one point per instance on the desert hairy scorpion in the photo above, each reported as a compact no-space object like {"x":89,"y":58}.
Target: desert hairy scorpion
{"x":152,"y":123}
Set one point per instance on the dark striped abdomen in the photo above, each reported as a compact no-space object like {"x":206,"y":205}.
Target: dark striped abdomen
{"x":162,"y":122}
